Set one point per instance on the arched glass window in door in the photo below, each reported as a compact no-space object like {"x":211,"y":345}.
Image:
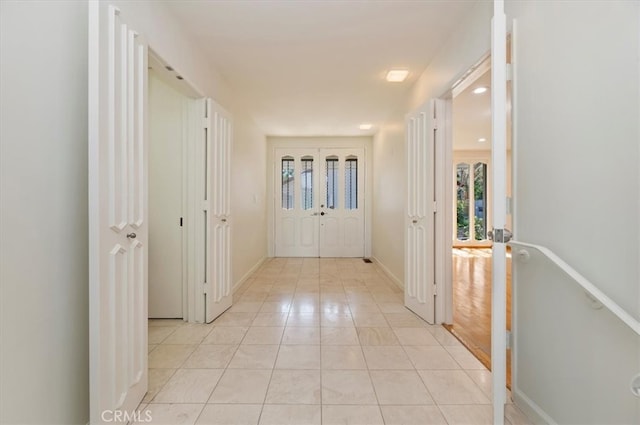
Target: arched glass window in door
{"x":306,"y":182}
{"x":351,"y":183}
{"x":471,"y":202}
{"x":288,"y":178}
{"x":332,"y":182}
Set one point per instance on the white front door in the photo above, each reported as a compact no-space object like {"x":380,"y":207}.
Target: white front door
{"x":341,"y":203}
{"x":319,"y":209}
{"x":118,"y":229}
{"x":297,"y":210}
{"x":216,"y":211}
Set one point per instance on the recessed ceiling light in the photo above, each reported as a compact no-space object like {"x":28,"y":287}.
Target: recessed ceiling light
{"x":366,"y":126}
{"x":480,"y":90}
{"x":482,"y":140}
{"x":397,"y":75}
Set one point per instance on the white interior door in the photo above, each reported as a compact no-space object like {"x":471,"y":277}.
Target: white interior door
{"x":166,"y":133}
{"x":499,"y":208}
{"x":297,"y":209}
{"x":342,"y":203}
{"x":424,"y":264}
{"x":217,"y":214}
{"x":117,"y":212}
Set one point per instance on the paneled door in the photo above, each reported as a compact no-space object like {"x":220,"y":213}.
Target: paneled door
{"x":216,"y":267}
{"x":342,"y":203}
{"x":425,"y":237}
{"x":319,"y":209}
{"x":297,"y":212}
{"x":118,"y":225}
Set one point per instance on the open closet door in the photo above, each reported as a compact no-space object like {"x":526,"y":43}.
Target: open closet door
{"x":118,"y":225}
{"x":422,"y":265}
{"x":217,"y":173}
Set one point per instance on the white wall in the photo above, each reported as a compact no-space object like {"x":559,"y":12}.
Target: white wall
{"x":577,"y":191}
{"x":464,"y":49}
{"x":44,"y":349}
{"x":389,"y":199}
{"x":248,"y":198}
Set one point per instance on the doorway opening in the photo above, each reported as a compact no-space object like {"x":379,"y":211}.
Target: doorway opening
{"x":166,"y":196}
{"x":472,"y":175}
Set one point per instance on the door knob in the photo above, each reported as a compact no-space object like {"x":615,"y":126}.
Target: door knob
{"x":500,"y":235}
{"x":131,"y":235}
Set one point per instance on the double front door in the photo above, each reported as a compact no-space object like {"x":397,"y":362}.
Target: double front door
{"x":319,"y":209}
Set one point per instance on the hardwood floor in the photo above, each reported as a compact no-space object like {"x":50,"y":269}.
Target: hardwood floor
{"x":472,"y":302}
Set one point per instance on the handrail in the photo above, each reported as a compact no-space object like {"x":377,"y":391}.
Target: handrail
{"x":613,"y":307}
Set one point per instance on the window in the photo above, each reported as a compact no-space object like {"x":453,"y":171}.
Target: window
{"x":462,"y":202}
{"x":332,"y":182}
{"x":471,"y":201}
{"x":287,"y":183}
{"x":351,"y":183}
{"x":480,"y":200}
{"x":306,"y":182}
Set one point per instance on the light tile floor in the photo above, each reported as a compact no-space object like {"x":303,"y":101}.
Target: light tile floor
{"x":315,"y":341}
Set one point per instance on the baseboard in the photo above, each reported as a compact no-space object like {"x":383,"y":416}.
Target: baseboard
{"x":387,"y":272}
{"x":531,"y":409}
{"x":248,"y":274}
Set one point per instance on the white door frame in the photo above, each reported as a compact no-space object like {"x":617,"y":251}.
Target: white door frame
{"x":274,"y":143}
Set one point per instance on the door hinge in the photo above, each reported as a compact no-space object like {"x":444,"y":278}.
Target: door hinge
{"x":206,"y":287}
{"x":508,"y":340}
{"x":509,"y":72}
{"x":435,"y":289}
{"x":435,"y":207}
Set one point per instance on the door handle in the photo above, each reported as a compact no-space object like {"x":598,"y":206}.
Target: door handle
{"x":131,"y":235}
{"x":500,"y":235}
{"x":322,"y":213}
{"x":224,"y":220}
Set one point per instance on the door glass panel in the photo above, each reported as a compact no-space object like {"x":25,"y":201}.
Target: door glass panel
{"x":306,"y":182}
{"x":351,"y":183}
{"x":287,"y":183}
{"x":480,"y":200}
{"x":332,"y":182}
{"x":462,"y":201}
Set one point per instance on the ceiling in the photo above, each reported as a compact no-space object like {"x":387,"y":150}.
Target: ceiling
{"x":317,"y":68}
{"x":472,"y":116}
